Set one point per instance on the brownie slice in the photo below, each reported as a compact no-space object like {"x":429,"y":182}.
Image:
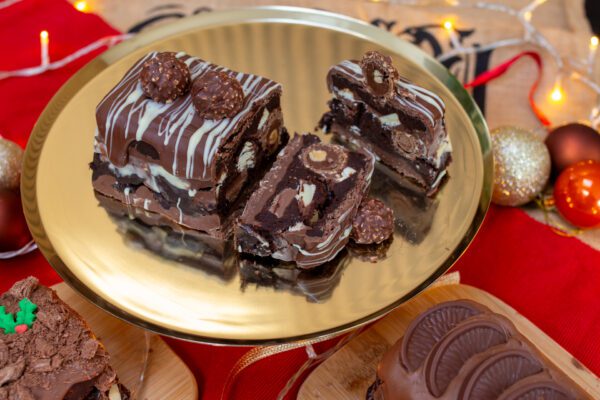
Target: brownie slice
{"x":51,"y":353}
{"x":158,"y":234}
{"x":402,"y":123}
{"x":303,"y":209}
{"x":186,"y":150}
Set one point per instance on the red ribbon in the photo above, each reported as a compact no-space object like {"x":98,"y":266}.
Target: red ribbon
{"x":495,"y":72}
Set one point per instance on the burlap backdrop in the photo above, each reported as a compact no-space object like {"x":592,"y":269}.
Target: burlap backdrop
{"x":504,"y":100}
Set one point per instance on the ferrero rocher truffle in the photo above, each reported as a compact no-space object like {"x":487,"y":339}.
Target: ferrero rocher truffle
{"x":379,"y":72}
{"x":164,"y":77}
{"x":373,"y":223}
{"x":217,"y":95}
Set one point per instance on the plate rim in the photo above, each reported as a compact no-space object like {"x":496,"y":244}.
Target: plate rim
{"x":278,"y":14}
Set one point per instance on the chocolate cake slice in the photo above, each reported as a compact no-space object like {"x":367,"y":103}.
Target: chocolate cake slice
{"x":161,"y":236}
{"x":461,"y":350}
{"x":402,"y":123}
{"x":186,"y":138}
{"x":47,"y":351}
{"x":303,"y":209}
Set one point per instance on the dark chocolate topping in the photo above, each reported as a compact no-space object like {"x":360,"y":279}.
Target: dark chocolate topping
{"x":217,"y":95}
{"x":164,"y":77}
{"x":379,"y":72}
{"x":373,"y":223}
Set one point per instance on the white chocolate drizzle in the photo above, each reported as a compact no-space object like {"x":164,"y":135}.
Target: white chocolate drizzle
{"x":128,"y":108}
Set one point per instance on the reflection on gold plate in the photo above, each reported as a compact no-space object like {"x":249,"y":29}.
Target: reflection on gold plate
{"x":292,"y":46}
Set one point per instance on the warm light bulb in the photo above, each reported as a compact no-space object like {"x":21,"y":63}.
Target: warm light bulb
{"x":44,"y":37}
{"x":448,"y":25}
{"x":594,"y":42}
{"x":557,"y":94}
{"x":81,"y":6}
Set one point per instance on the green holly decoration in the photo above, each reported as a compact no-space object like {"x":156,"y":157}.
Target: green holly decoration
{"x":25,"y":316}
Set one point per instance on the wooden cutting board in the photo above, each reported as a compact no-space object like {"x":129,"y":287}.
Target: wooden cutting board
{"x":167,"y":377}
{"x":348,"y":373}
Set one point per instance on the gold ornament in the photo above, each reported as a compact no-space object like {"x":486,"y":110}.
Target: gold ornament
{"x":521,"y":166}
{"x":11,"y":158}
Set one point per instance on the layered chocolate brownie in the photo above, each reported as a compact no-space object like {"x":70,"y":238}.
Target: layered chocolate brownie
{"x":48,"y":352}
{"x":304,"y":207}
{"x":186,"y":138}
{"x":402,"y":123}
{"x":158,"y":234}
{"x":316,"y":285}
{"x":462,"y":350}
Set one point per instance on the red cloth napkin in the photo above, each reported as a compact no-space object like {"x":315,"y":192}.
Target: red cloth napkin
{"x":551,"y":280}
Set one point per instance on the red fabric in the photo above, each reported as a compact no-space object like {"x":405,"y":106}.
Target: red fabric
{"x":551,"y":280}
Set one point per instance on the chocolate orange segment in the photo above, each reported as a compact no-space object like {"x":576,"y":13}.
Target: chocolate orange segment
{"x":430,"y":327}
{"x":498,"y":372}
{"x":473,"y":336}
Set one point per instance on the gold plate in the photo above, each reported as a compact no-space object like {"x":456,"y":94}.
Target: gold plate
{"x":293,"y":46}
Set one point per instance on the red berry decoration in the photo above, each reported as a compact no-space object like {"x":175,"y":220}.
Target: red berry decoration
{"x":577,"y":194}
{"x":14,"y":233}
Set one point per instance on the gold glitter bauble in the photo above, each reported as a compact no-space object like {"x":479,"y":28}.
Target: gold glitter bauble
{"x":11,"y":158}
{"x":521,"y":166}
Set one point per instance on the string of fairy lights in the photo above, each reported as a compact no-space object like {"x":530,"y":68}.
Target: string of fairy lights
{"x":568,"y":67}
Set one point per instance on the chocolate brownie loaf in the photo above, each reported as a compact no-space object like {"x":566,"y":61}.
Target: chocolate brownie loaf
{"x":185,"y":138}
{"x":47,"y":352}
{"x":402,"y":123}
{"x":304,"y":207}
{"x":462,"y":350}
{"x":161,"y":236}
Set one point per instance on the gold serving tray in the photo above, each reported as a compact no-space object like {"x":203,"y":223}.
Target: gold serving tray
{"x":293,"y":46}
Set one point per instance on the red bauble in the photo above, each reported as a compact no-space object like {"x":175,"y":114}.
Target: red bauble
{"x":14,"y":233}
{"x":571,"y":143}
{"x":577,"y":194}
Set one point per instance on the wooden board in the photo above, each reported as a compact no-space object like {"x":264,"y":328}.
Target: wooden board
{"x":348,"y":373}
{"x":167,"y":377}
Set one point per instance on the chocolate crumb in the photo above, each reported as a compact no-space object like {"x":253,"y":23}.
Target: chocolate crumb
{"x":380,"y":73}
{"x":216,"y":95}
{"x":12,"y":372}
{"x":165,"y":77}
{"x":374,"y":222}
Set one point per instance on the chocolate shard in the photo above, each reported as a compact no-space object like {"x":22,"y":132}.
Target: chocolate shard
{"x":194,"y":158}
{"x":400,"y":122}
{"x":303,"y":209}
{"x":80,"y":367}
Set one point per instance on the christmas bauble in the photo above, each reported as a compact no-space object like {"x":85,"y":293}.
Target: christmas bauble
{"x":571,"y":143}
{"x":577,"y":194}
{"x":521,"y":166}
{"x":11,"y":158}
{"x":14,"y":233}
